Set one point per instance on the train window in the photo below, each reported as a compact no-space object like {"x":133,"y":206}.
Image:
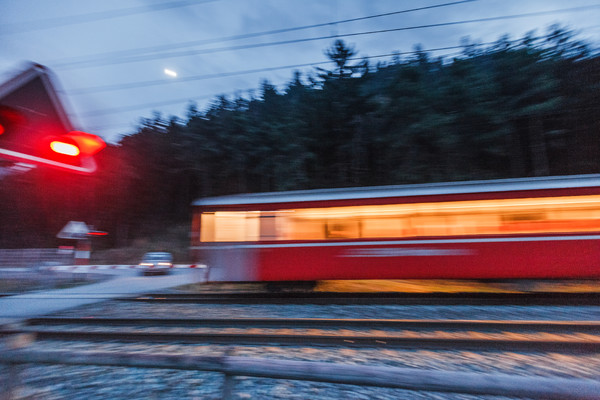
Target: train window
{"x":474,"y":217}
{"x":486,"y":223}
{"x":236,"y":226}
{"x":526,"y":221}
{"x":343,"y":228}
{"x":385,"y":226}
{"x":207,"y":227}
{"x":268,"y":226}
{"x":429,"y":225}
{"x":298,"y":228}
{"x":577,"y":217}
{"x":252,"y":226}
{"x":471,"y":224}
{"x":523,"y":217}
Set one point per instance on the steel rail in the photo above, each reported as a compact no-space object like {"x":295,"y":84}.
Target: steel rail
{"x":512,"y":325}
{"x":345,"y":340}
{"x":380,"y":298}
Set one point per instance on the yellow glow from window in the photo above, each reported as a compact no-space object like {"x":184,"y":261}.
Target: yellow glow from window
{"x":236,"y":226}
{"x":473,"y":217}
{"x":207,"y":227}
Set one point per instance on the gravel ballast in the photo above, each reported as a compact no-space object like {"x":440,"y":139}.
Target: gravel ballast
{"x":94,"y":382}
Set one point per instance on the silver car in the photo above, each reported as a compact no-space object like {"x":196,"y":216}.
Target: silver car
{"x":156,"y":263}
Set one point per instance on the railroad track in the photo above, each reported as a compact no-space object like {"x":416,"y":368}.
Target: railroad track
{"x":345,"y":298}
{"x":379,"y":298}
{"x":564,"y":337}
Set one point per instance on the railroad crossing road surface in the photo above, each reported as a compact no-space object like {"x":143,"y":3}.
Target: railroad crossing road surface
{"x":28,"y":305}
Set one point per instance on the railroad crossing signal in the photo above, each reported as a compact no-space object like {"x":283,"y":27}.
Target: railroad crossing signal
{"x":35,"y":128}
{"x":79,"y":230}
{"x":74,"y":230}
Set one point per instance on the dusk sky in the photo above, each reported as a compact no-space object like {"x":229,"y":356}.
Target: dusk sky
{"x":110,"y":56}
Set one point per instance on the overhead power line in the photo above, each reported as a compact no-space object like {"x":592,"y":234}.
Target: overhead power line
{"x":116,"y":110}
{"x":337,"y":36}
{"x":152,"y":49}
{"x":27,"y":26}
{"x":157,"y":82}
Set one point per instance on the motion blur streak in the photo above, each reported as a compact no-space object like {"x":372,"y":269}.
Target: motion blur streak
{"x":529,"y":228}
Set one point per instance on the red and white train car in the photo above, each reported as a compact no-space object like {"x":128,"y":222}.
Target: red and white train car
{"x":499,"y":229}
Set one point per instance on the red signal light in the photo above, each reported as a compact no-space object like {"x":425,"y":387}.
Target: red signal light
{"x":1,"y":129}
{"x":64,"y":148}
{"x":97,"y":233}
{"x":87,"y":143}
{"x":73,"y":150}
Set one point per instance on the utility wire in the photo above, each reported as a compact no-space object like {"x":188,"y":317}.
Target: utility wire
{"x":18,"y":27}
{"x":115,"y":110}
{"x":133,"y":85}
{"x":98,"y":113}
{"x":152,"y":49}
{"x":268,"y":69}
{"x":337,"y":36}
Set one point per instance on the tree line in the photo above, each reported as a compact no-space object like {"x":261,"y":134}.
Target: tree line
{"x":516,"y":108}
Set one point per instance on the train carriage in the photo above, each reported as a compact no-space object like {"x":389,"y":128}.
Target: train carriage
{"x":533,"y":228}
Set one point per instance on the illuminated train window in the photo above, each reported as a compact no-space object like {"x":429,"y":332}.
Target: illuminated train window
{"x":476,"y":217}
{"x":230,"y":226}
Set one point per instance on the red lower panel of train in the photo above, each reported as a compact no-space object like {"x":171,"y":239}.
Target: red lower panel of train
{"x":477,"y":258}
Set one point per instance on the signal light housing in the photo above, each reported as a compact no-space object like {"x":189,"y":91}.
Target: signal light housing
{"x":77,"y":143}
{"x":35,"y":128}
{"x":73,"y":151}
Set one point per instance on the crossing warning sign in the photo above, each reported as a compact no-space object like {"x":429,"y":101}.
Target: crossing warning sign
{"x":74,"y":230}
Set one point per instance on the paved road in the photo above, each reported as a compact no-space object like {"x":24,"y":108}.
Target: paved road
{"x":122,"y":284}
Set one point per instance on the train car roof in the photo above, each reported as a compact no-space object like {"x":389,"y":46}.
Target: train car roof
{"x":422,"y":189}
